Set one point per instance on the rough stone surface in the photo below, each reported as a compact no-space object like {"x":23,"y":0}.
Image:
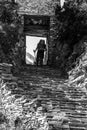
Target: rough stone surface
{"x":37,"y":7}
{"x":59,"y":99}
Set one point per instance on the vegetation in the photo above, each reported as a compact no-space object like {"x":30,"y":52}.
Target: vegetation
{"x":71,"y":28}
{"x":10,"y":23}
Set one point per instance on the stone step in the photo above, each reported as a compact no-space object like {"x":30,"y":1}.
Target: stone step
{"x":38,"y":81}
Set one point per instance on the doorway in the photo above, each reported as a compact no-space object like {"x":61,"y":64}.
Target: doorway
{"x":31,"y":44}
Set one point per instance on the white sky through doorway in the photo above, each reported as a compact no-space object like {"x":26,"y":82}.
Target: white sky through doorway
{"x":31,"y":44}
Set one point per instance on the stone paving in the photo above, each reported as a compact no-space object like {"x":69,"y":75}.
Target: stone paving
{"x":53,"y":94}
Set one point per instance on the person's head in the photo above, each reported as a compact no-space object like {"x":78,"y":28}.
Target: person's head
{"x":42,"y":41}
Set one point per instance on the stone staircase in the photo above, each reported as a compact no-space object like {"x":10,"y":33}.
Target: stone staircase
{"x":52,"y":92}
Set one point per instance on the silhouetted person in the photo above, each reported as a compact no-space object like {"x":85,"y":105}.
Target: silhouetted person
{"x":41,"y":47}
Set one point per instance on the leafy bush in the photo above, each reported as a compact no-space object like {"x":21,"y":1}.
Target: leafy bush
{"x":71,"y":28}
{"x":10,"y":23}
{"x":74,"y":24}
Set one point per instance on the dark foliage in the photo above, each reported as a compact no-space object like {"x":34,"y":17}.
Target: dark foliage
{"x":9,"y":30}
{"x":74,"y":25}
{"x":71,"y":28}
{"x":8,"y":13}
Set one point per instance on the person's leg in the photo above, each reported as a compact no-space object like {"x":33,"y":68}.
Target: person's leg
{"x":37,"y":59}
{"x":41,"y":57}
{"x":41,"y":62}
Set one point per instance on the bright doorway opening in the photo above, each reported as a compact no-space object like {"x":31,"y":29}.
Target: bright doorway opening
{"x":31,"y":44}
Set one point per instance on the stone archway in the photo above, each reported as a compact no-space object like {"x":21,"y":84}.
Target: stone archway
{"x":36,"y":27}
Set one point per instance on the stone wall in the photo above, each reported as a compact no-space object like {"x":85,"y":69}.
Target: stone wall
{"x":37,"y":7}
{"x":52,"y":37}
